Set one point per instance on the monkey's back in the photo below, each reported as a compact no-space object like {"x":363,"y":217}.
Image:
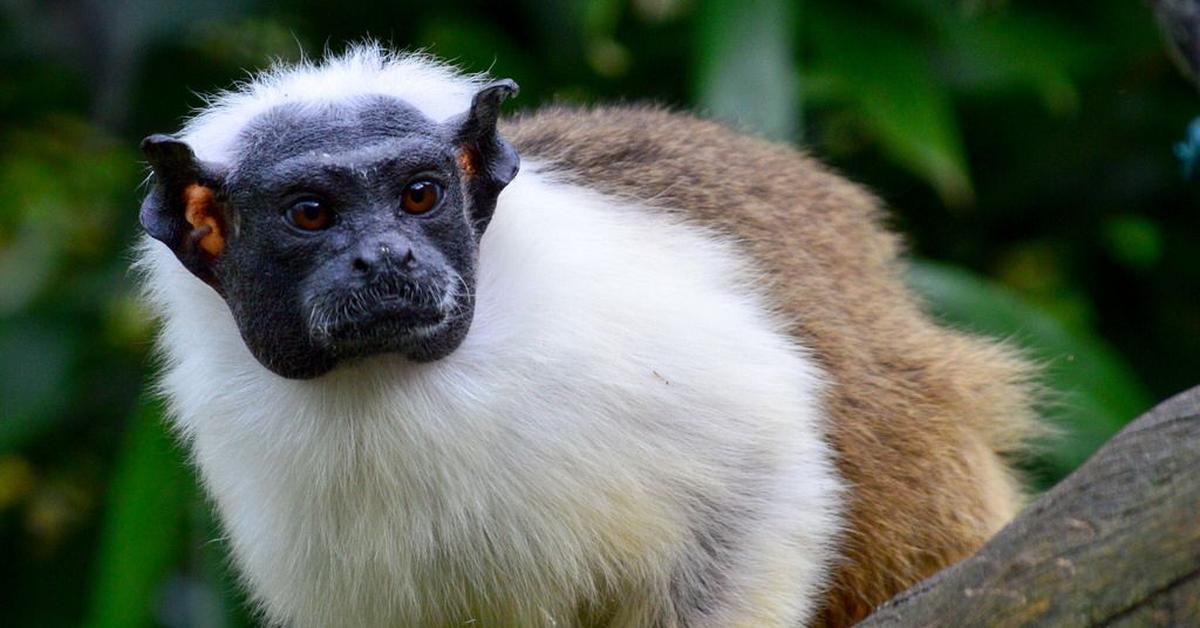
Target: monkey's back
{"x":921,"y":416}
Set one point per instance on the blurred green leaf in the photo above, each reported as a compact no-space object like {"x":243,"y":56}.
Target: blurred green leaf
{"x":883,"y":72}
{"x":607,"y":56}
{"x":144,"y":525}
{"x":35,"y":380}
{"x":49,"y":221}
{"x":248,"y":42}
{"x":1004,"y":50}
{"x":1134,"y":240}
{"x":745,"y":72}
{"x":26,"y":264}
{"x":1037,"y":269}
{"x":1093,"y":392}
{"x":477,"y":46}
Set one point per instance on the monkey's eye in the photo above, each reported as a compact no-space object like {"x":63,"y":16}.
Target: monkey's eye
{"x":309,"y":215}
{"x":420,"y":197}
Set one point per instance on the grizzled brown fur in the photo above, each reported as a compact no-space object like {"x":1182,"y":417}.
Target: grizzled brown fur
{"x":922,"y":417}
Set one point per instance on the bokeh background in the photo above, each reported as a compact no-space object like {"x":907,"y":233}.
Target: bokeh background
{"x":1026,"y":149}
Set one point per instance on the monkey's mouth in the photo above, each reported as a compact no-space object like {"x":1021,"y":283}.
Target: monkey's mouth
{"x":384,"y":316}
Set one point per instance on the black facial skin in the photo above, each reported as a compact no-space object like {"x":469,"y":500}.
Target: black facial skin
{"x":376,"y":278}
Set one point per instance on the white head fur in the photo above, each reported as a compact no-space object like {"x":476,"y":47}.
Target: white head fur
{"x":434,"y":88}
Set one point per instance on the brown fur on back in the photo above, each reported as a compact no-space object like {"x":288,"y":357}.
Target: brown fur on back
{"x":920,"y":415}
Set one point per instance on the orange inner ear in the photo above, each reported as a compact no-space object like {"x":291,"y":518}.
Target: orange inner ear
{"x":468,"y":159}
{"x":200,"y":213}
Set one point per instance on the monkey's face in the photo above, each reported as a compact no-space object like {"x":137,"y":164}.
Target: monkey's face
{"x":352,"y":237}
{"x":340,"y":230}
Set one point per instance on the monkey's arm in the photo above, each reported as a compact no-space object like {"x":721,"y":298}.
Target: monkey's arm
{"x":1117,"y":540}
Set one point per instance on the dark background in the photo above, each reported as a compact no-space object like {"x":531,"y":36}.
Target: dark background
{"x":1026,"y":149}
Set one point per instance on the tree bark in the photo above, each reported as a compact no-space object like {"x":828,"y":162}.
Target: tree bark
{"x":1117,"y":542}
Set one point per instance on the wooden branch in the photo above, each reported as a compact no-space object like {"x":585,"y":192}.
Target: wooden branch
{"x":1118,"y":542}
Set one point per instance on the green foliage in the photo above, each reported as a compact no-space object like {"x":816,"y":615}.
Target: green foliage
{"x":50,"y":226}
{"x":746,"y":48}
{"x":890,"y":84}
{"x":139,"y":542}
{"x":1025,"y":147}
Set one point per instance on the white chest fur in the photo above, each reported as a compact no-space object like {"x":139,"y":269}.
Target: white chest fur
{"x":622,"y":402}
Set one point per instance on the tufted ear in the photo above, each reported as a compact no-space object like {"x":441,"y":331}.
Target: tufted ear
{"x":183,"y":209}
{"x":488,"y":161}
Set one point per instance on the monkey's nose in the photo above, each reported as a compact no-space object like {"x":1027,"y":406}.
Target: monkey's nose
{"x":377,"y":256}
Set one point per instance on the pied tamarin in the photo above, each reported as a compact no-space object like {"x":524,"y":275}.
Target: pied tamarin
{"x":609,"y":366}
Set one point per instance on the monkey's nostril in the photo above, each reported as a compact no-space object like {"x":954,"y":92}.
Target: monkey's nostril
{"x":361,"y":265}
{"x":409,"y":258}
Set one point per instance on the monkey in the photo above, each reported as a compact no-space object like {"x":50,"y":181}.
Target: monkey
{"x":582,"y":366}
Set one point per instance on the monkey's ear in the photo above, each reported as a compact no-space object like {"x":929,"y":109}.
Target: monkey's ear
{"x":183,"y":208}
{"x":488,"y":161}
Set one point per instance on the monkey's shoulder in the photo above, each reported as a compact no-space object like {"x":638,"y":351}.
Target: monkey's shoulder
{"x":763,"y":192}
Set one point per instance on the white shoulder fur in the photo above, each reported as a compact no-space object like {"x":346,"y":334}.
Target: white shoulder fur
{"x":610,"y":416}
